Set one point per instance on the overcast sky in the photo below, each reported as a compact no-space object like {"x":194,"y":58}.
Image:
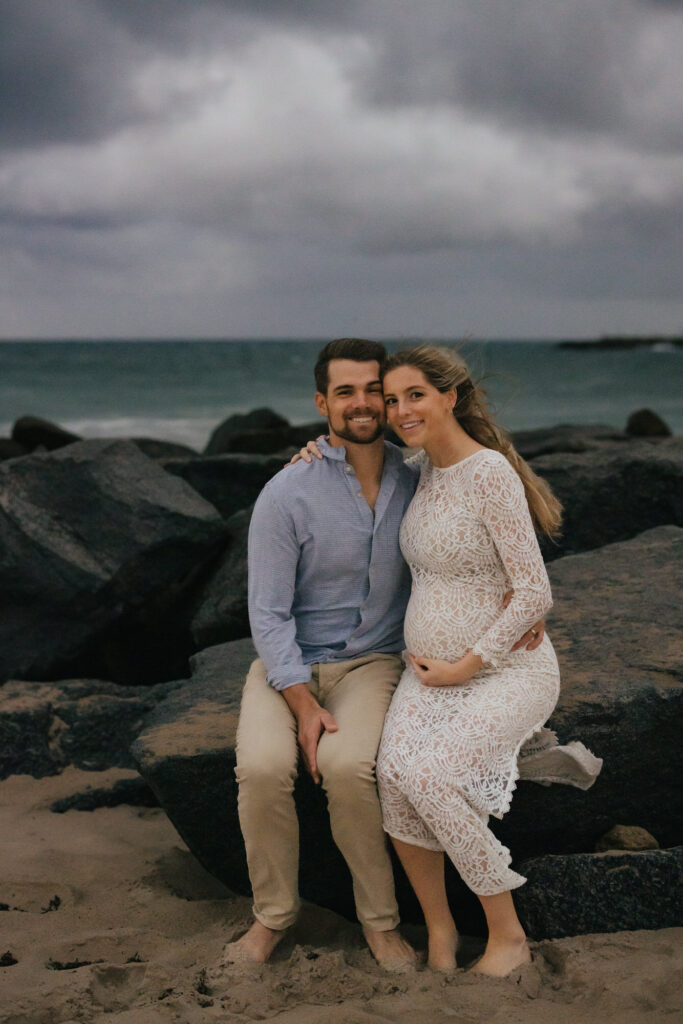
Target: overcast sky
{"x":497,"y":168}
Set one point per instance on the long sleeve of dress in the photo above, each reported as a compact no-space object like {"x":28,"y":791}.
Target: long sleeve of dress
{"x":501,"y":503}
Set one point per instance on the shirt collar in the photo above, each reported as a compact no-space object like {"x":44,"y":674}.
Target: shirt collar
{"x":393,"y":456}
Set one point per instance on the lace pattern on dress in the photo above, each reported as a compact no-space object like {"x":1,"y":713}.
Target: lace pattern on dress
{"x":448,"y":757}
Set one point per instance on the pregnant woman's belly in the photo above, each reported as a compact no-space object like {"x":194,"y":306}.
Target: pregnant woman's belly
{"x":446,"y":617}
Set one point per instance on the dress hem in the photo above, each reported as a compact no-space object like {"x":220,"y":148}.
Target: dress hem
{"x":513,"y":778}
{"x":412,"y":841}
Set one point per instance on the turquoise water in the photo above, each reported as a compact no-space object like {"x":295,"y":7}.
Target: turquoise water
{"x":179,"y":390}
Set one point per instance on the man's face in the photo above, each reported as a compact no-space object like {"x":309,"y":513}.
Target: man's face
{"x":353,"y":405}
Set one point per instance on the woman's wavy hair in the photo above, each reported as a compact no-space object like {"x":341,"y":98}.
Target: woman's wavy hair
{"x":447,"y":371}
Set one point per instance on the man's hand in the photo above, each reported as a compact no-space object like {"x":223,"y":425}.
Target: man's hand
{"x":312,"y":721}
{"x":534,"y":636}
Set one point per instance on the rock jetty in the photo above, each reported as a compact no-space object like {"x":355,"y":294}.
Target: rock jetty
{"x":124,"y":639}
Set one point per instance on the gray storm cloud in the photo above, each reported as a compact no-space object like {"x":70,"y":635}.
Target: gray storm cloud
{"x":302,"y":168}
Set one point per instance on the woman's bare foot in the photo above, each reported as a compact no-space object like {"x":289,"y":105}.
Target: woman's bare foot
{"x":391,"y":951}
{"x":255,"y":946}
{"x":502,"y":957}
{"x":443,"y":943}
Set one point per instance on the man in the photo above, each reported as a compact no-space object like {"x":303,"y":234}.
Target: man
{"x":327,"y":595}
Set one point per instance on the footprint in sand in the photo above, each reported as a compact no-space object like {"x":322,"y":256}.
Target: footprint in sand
{"x":116,"y":987}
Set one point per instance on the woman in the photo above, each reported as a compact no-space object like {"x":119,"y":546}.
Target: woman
{"x":464,"y":705}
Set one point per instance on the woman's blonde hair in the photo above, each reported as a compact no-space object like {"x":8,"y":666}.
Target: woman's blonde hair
{"x":446,"y":371}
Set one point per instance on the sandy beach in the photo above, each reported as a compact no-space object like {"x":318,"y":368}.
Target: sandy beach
{"x":110,"y":918}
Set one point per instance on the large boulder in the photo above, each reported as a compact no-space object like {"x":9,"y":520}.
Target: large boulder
{"x":10,"y":449}
{"x":646,"y":423}
{"x":240,"y":425}
{"x":186,"y":754}
{"x":299,"y":434}
{"x":261,"y":432}
{"x":155,"y":448}
{"x":229,"y":482}
{"x":222,"y":611}
{"x":99,"y":547}
{"x":614,"y":492}
{"x":601,"y":892}
{"x":618,"y":636}
{"x":32,"y":432}
{"x":89,"y":723}
{"x":566,"y":437}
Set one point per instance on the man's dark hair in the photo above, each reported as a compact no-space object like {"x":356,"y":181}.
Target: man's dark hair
{"x":358,"y":349}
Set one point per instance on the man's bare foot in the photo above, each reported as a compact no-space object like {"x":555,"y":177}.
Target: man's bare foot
{"x":503,"y":957}
{"x":391,"y":951}
{"x":442,"y":946}
{"x":255,"y":946}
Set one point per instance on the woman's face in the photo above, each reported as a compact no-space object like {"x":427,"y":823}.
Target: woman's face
{"x":416,"y":410}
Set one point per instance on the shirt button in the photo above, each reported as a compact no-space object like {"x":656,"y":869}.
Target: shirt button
{"x":359,"y":494}
{"x":349,"y":469}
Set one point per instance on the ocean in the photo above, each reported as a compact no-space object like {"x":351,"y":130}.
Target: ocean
{"x":180,"y":390}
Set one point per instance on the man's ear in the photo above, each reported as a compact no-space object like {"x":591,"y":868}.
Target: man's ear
{"x":321,"y":403}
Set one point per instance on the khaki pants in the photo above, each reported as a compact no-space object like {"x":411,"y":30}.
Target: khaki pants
{"x":357,"y":693}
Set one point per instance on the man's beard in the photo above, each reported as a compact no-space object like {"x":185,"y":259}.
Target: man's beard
{"x":346,"y":433}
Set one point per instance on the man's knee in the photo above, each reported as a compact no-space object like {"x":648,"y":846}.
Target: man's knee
{"x":341,"y":770}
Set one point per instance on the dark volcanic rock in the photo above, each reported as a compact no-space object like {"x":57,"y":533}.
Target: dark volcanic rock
{"x":257,"y":420}
{"x":89,"y":723}
{"x":186,"y":753}
{"x":134,"y":791}
{"x":99,"y":546}
{"x":156,"y":449}
{"x":617,"y":631}
{"x":614,"y":492}
{"x":646,"y":423}
{"x":10,"y":449}
{"x":626,"y":837}
{"x":222,"y":613}
{"x":31,"y":432}
{"x":260,"y":442}
{"x":601,"y":892}
{"x":564,"y":438}
{"x":301,"y":433}
{"x":261,"y":432}
{"x":229,"y":482}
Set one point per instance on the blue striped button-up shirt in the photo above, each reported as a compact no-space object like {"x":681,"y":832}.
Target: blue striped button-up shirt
{"x":326,"y":578}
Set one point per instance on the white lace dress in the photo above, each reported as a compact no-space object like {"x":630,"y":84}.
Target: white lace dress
{"x":448,"y":757}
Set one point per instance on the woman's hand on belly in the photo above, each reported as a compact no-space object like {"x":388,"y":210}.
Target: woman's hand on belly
{"x":436,"y":672}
